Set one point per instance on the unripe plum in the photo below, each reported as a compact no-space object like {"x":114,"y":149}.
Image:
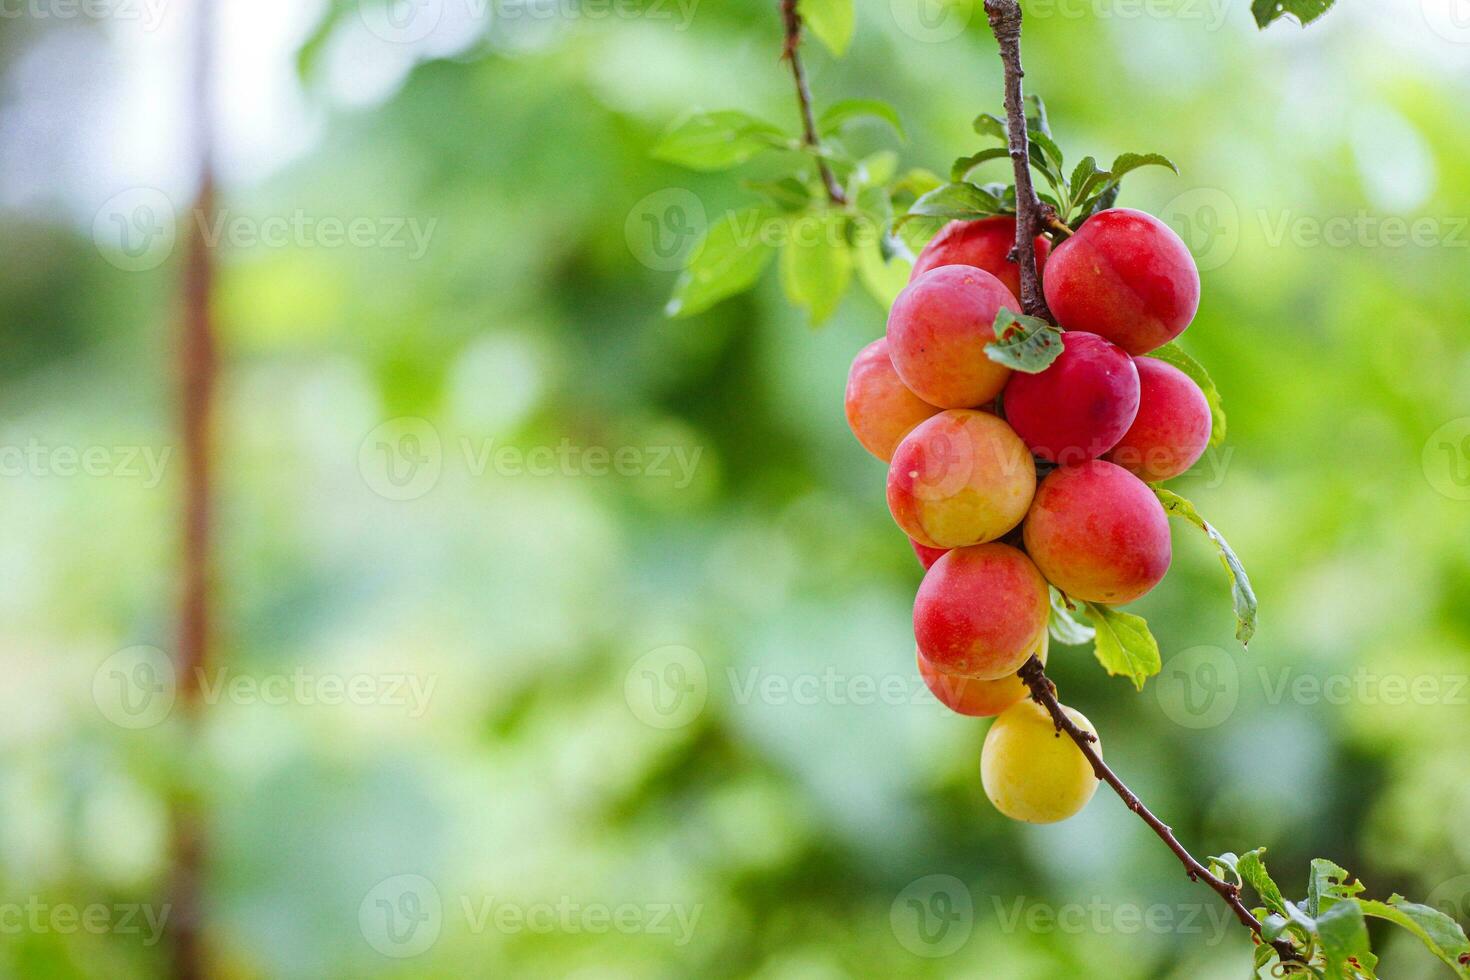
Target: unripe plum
{"x":880,"y":408}
{"x":1080,"y":406}
{"x":985,"y":244}
{"x":927,"y":556}
{"x":1126,"y":276}
{"x":1098,"y":533}
{"x":981,"y":611}
{"x":1173,"y":425}
{"x":937,"y":332}
{"x":1032,"y":772}
{"x":960,"y":478}
{"x":977,"y":698}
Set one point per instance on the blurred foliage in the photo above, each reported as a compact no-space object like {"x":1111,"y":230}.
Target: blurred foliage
{"x":796,"y":826}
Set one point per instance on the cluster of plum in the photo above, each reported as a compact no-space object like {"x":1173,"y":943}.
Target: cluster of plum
{"x":966,"y":438}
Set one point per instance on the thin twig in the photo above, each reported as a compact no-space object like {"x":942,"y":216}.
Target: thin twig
{"x":792,"y":54}
{"x":1044,"y":693}
{"x":1005,"y":24}
{"x":198,"y":370}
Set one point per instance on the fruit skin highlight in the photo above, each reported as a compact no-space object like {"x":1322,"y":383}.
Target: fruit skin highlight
{"x":984,"y":244}
{"x":1081,"y":405}
{"x":937,"y":332}
{"x":981,"y":611}
{"x":881,"y":410}
{"x":977,"y":698}
{"x":1098,"y":533}
{"x":960,"y":478}
{"x":1125,"y":276}
{"x":1032,"y":772}
{"x":1173,"y":426}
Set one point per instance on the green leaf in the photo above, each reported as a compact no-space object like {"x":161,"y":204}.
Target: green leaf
{"x":989,"y":125}
{"x":1441,"y":934}
{"x":716,"y":140}
{"x":1052,"y":154}
{"x":883,"y":277}
{"x":1064,"y":627}
{"x":964,"y":165}
{"x":788,"y":193}
{"x":831,"y":21}
{"x":1305,"y":11}
{"x":1328,"y":885}
{"x":964,"y":201}
{"x":1173,"y":354}
{"x":1251,"y":867}
{"x":1036,"y":115}
{"x":1343,"y":933}
{"x":1024,"y":343}
{"x":917,"y":182}
{"x":1085,"y":177}
{"x":1242,"y":595}
{"x":1124,"y":644}
{"x":1128,"y":162}
{"x":727,"y":260}
{"x":816,"y":264}
{"x":839,"y":114}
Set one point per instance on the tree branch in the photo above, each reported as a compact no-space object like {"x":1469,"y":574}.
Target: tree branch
{"x":792,"y":54}
{"x":1005,"y":24}
{"x":1044,"y":693}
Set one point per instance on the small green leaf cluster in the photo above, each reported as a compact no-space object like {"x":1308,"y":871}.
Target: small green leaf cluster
{"x":1328,"y":930}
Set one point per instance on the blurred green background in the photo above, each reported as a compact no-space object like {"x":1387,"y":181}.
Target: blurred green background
{"x":557,"y":638}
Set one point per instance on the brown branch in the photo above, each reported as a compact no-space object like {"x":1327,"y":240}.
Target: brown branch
{"x":1005,"y":24}
{"x":1044,"y":693}
{"x":198,"y":370}
{"x":792,"y":54}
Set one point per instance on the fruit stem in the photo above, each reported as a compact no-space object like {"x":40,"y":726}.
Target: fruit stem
{"x":792,"y":54}
{"x":1044,"y":693}
{"x":1005,"y":24}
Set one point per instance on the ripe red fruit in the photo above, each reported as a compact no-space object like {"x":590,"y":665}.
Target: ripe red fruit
{"x":981,"y":611}
{"x":984,"y":244}
{"x":1098,"y":533}
{"x":880,"y":408}
{"x":977,"y":698}
{"x":1080,"y":406}
{"x":927,"y":555}
{"x":1126,"y":276}
{"x":937,"y":332}
{"x":1173,"y":425}
{"x":960,"y":478}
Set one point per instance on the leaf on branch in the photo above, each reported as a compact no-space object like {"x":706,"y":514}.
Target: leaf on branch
{"x":990,"y":125}
{"x":1242,"y":596}
{"x":916,"y":183}
{"x":1036,"y":115}
{"x":1441,"y":934}
{"x":727,"y":260}
{"x":1305,"y":11}
{"x":832,"y":21}
{"x":1124,"y":644}
{"x":788,"y":193}
{"x":1173,"y":354}
{"x":839,"y":114}
{"x":816,"y":264}
{"x":964,"y":165}
{"x":1064,"y":627}
{"x":717,"y":140}
{"x":1024,"y":343}
{"x":1095,"y":190}
{"x":1126,"y":163}
{"x":1343,"y":933}
{"x":1327,"y":885}
{"x":1250,"y":867}
{"x":965,"y":202}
